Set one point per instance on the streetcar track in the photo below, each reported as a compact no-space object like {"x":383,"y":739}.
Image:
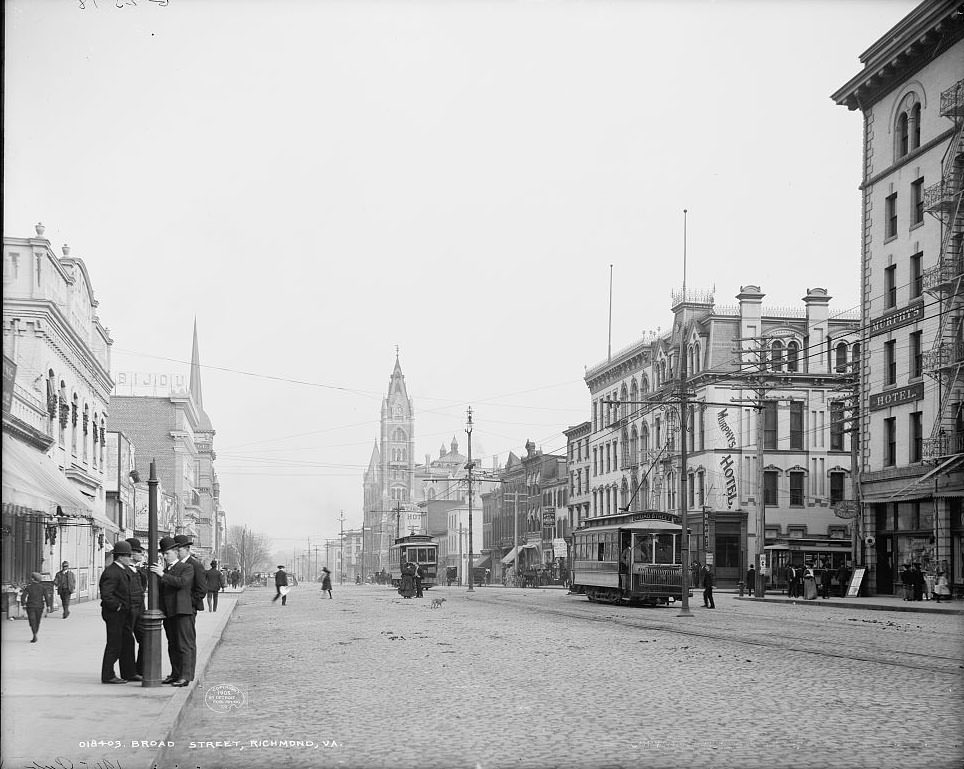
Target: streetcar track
{"x":643,"y":625}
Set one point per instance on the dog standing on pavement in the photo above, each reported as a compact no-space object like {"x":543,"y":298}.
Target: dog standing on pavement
{"x":437,"y":603}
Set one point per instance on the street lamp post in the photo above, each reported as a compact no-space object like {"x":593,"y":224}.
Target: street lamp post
{"x":153,"y":617}
{"x":468,"y":466}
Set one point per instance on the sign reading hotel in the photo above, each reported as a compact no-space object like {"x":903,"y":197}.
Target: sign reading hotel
{"x":914,"y":392}
{"x":146,"y":383}
{"x":895,"y":320}
{"x":727,"y":470}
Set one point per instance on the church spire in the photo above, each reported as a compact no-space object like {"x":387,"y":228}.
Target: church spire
{"x":196,"y":373}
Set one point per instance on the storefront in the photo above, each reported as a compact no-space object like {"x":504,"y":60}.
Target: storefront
{"x":806,"y":553}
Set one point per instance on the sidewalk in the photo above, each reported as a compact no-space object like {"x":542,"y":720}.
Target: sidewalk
{"x":54,"y":705}
{"x":876,"y":602}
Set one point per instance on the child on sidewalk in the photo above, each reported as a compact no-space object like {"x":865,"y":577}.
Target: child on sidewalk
{"x":32,"y":599}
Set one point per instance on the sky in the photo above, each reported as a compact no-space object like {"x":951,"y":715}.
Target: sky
{"x":318,"y":184}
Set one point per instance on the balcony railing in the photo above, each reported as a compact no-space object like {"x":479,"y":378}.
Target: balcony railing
{"x":942,"y":197}
{"x":944,"y":445}
{"x":952,"y":100}
{"x":943,"y":274}
{"x":944,"y":355}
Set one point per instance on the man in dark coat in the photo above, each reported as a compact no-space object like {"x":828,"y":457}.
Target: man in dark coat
{"x":708,"y":602}
{"x":200,"y":587}
{"x":826,"y":578}
{"x":115,"y":607}
{"x":65,"y":582}
{"x":793,"y":584}
{"x":138,"y":604}
{"x":33,"y":600}
{"x":280,"y":581}
{"x":750,"y":579}
{"x":215,"y":583}
{"x":176,"y":580}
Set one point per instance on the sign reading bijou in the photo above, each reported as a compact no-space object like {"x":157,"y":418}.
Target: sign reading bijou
{"x":882,"y":400}
{"x":902,"y":317}
{"x":726,"y":461}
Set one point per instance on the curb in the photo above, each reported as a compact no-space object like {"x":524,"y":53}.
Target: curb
{"x":837,"y":605}
{"x":173,"y":711}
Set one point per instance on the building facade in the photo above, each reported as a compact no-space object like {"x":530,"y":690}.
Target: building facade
{"x":175,"y":432}
{"x":910,"y":92}
{"x":753,"y":375}
{"x":56,"y":388}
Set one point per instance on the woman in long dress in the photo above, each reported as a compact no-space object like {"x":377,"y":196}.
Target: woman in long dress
{"x":809,"y":585}
{"x":942,"y":589}
{"x":407,"y":587}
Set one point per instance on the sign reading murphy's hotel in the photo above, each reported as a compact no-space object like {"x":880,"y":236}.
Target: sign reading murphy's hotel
{"x":892,"y":320}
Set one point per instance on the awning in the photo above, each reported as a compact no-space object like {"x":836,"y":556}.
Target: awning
{"x":512,"y":553}
{"x":33,"y":480}
{"x":485,"y":563}
{"x":945,"y":466}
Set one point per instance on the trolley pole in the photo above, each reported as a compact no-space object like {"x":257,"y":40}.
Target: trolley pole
{"x":468,"y":466}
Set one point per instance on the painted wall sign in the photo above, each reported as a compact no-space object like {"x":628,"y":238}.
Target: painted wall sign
{"x":914,"y":392}
{"x":893,"y":320}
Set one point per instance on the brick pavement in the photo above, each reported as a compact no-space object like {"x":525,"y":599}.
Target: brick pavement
{"x":502,"y":678}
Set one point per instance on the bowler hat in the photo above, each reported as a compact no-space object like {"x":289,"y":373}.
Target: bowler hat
{"x":36,"y":576}
{"x":135,"y":544}
{"x":64,"y":564}
{"x":280,"y":567}
{"x":166,"y":543}
{"x":122,"y":548}
{"x":183,"y":540}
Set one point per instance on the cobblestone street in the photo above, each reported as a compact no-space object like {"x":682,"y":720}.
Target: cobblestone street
{"x":539,"y":678}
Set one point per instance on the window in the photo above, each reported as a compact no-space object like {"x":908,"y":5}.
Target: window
{"x":776,"y":355}
{"x":770,"y":426}
{"x":11,"y":268}
{"x":691,"y":490}
{"x":836,"y":426}
{"x":841,"y":364}
{"x":890,"y":442}
{"x":890,"y":286}
{"x":796,"y":489}
{"x":701,"y":478}
{"x":855,"y":354}
{"x":903,"y":135}
{"x":916,"y":358}
{"x":770,"y":488}
{"x":917,"y":202}
{"x":915,"y":127}
{"x":796,"y":425}
{"x":916,"y":437}
{"x":890,"y":363}
{"x":836,"y":488}
{"x":890,"y":216}
{"x":916,"y":275}
{"x":793,"y":356}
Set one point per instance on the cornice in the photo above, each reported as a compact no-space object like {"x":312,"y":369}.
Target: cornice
{"x":27,"y":433}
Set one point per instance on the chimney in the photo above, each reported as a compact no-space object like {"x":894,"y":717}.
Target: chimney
{"x":818,"y":314}
{"x":751,"y":325}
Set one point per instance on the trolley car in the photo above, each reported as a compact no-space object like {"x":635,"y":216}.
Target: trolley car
{"x":418,"y":548}
{"x":632,"y":558}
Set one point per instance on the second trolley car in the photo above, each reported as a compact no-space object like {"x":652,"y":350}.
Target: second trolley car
{"x":415,"y":548}
{"x":629,"y":558}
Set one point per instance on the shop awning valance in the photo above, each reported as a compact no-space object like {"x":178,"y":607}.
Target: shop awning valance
{"x":32,"y":480}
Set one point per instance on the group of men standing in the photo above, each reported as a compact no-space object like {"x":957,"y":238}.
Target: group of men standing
{"x":123,"y":585}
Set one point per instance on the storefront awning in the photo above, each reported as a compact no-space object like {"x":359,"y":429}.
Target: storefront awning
{"x":512,"y":553}
{"x":485,"y":563}
{"x":32,"y":480}
{"x":913,"y":491}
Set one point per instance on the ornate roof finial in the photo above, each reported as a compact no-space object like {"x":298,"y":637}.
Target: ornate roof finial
{"x":66,"y":249}
{"x":40,"y":229}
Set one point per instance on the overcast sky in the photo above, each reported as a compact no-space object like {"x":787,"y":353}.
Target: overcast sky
{"x":318,"y":182}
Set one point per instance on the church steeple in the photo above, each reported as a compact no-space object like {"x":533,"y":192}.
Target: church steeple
{"x":196,"y":372}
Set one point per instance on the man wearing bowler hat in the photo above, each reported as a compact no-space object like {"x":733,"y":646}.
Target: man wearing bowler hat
{"x":176,"y":578}
{"x":200,"y":587}
{"x":115,"y":606}
{"x":138,"y":603}
{"x":65,"y":583}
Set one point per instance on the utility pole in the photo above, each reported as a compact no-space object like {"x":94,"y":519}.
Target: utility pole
{"x":468,"y":466}
{"x":461,"y":555}
{"x":316,"y":563}
{"x":341,"y":570}
{"x":683,"y":502}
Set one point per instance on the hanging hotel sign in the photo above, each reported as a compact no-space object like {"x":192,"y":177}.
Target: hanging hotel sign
{"x":903,"y":317}
{"x":9,"y":378}
{"x":729,"y":491}
{"x":914,"y":392}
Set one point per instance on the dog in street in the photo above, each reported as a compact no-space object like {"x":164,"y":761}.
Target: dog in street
{"x":437,"y":603}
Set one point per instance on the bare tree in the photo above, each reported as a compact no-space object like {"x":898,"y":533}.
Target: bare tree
{"x":249,"y":549}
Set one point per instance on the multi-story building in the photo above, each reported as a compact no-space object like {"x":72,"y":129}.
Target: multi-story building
{"x":751,"y":372}
{"x":174,"y":430}
{"x":56,"y":388}
{"x":578,"y":465}
{"x":910,"y":91}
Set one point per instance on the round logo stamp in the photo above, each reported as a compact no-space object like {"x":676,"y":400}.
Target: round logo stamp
{"x":224,"y":698}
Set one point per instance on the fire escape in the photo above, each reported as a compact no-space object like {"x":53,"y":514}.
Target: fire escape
{"x":943,"y":362}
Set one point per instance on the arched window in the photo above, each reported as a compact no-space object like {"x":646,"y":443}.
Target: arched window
{"x":644,"y":500}
{"x":85,"y":427}
{"x":855,"y":354}
{"x":841,"y":362}
{"x":793,"y":356}
{"x":634,"y":445}
{"x":625,"y":447}
{"x":776,"y":355}
{"x":74,"y":417}
{"x":915,"y":127}
{"x":624,"y":494}
{"x":644,"y":439}
{"x":399,"y":436}
{"x":907,"y":126}
{"x":645,"y":384}
{"x":903,"y":135}
{"x":698,"y":359}
{"x":633,"y":395}
{"x":623,"y":406}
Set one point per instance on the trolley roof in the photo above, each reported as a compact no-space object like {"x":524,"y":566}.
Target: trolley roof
{"x":648,"y":525}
